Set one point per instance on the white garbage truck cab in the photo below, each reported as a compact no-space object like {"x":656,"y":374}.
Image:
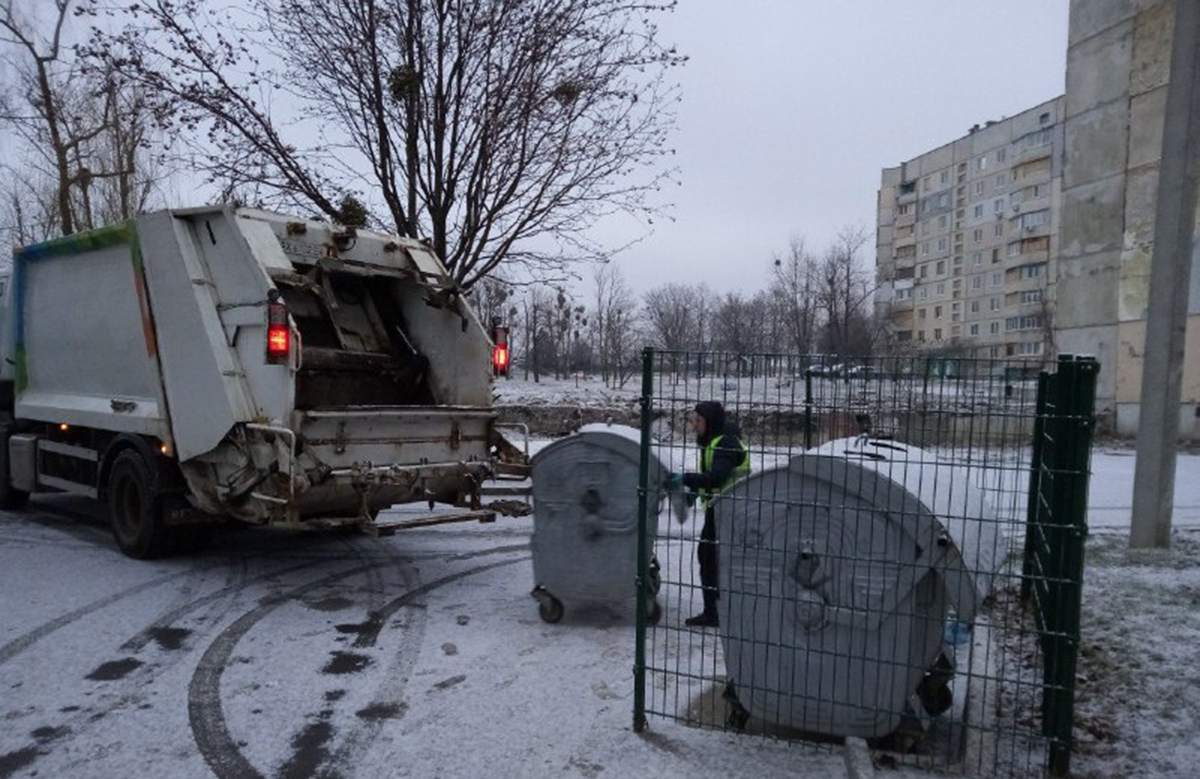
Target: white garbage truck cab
{"x":228,"y":364}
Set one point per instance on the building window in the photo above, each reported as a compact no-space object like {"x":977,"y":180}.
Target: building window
{"x":995,"y":328}
{"x":998,"y":230}
{"x":924,"y":271}
{"x":1014,"y":248}
{"x":904,"y":294}
{"x":1012,"y":323}
{"x":943,"y":222}
{"x":925,"y":184}
{"x":1001,"y":155}
{"x":974,"y":306}
{"x":974,"y":330}
{"x":977,"y":259}
{"x":981,"y":163}
{"x":978,"y":187}
{"x":998,"y":205}
{"x":943,"y":244}
{"x":997,"y":278}
{"x":1036,"y":138}
{"x":978,"y":234}
{"x":1031,"y":349}
{"x":1001,"y":179}
{"x":1044,"y":118}
{"x":937,"y":333}
{"x":1035,"y":271}
{"x":922,"y":293}
{"x":921,"y":313}
{"x":904,"y":209}
{"x":958,"y":261}
{"x":941,"y":267}
{"x":921,"y":336}
{"x":995,"y":304}
{"x":977,"y":282}
{"x":995,"y":255}
{"x":1035,"y":219}
{"x":1031,"y":296}
{"x":979,"y":211}
{"x":937,"y":312}
{"x":925,"y":249}
{"x":945,"y":177}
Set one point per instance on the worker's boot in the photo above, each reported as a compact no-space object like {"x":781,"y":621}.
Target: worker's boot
{"x":705,"y":619}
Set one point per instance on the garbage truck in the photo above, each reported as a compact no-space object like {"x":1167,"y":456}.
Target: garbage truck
{"x":222,"y":364}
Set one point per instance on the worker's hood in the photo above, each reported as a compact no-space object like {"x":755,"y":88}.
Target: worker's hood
{"x":713,"y":414}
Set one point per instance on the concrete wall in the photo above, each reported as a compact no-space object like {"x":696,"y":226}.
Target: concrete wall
{"x":1118,"y":66}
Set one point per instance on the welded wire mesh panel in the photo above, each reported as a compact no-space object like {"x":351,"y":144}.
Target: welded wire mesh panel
{"x":846,"y":550}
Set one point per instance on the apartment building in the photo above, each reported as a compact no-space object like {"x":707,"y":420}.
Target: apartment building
{"x":967,"y":241}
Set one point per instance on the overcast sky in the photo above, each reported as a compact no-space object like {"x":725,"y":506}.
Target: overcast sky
{"x":792,"y":107}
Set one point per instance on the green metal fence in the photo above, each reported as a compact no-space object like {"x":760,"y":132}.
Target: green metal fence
{"x":903,"y":564}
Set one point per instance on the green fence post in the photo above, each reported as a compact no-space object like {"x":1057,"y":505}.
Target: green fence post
{"x":643,"y":551}
{"x":808,"y":408}
{"x":1033,"y":505}
{"x":1077,"y":398}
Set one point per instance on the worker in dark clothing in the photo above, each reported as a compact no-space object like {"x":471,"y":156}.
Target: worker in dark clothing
{"x":724,"y":458}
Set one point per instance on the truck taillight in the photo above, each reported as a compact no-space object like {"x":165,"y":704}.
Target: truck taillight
{"x":279,"y":334}
{"x":500,"y":350}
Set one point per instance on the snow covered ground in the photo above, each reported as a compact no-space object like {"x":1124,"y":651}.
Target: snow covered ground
{"x":279,"y":654}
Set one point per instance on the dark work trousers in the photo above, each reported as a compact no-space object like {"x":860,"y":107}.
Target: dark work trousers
{"x":706,"y":554}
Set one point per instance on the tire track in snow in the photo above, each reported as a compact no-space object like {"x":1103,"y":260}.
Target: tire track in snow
{"x":144,"y":674}
{"x":389,"y":694}
{"x":206,"y":714}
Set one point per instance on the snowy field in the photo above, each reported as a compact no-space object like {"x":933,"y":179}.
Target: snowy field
{"x":759,"y":391}
{"x":279,"y":654}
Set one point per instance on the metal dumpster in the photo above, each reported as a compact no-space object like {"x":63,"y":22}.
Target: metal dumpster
{"x":585,"y":518}
{"x":839,"y":573}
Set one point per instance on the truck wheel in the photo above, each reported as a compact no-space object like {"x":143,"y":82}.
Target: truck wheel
{"x":10,"y":496}
{"x":134,"y":507}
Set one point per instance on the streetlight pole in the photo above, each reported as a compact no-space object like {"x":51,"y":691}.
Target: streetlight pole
{"x":1171,"y":265}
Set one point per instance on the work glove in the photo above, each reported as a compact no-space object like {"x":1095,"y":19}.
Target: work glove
{"x":673,"y":482}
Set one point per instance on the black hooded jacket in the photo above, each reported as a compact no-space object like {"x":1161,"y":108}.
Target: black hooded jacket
{"x":728,"y":454}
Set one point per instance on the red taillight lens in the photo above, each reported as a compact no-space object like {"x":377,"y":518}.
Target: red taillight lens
{"x":277,"y":340}
{"x":500,"y":350}
{"x":279,"y":334}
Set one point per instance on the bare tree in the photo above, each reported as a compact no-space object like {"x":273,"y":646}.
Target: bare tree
{"x":843,"y":290}
{"x":500,"y":129}
{"x":793,"y":287}
{"x":671,"y":313}
{"x":41,"y":55}
{"x":83,"y":134}
{"x":614,"y":325}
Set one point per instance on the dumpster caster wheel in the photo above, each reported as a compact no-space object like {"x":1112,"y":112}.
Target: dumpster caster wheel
{"x":550,"y":608}
{"x":736,"y":715}
{"x":654,"y":612}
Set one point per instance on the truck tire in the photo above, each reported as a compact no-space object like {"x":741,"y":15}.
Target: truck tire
{"x":11,"y":498}
{"x":135,"y":507}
